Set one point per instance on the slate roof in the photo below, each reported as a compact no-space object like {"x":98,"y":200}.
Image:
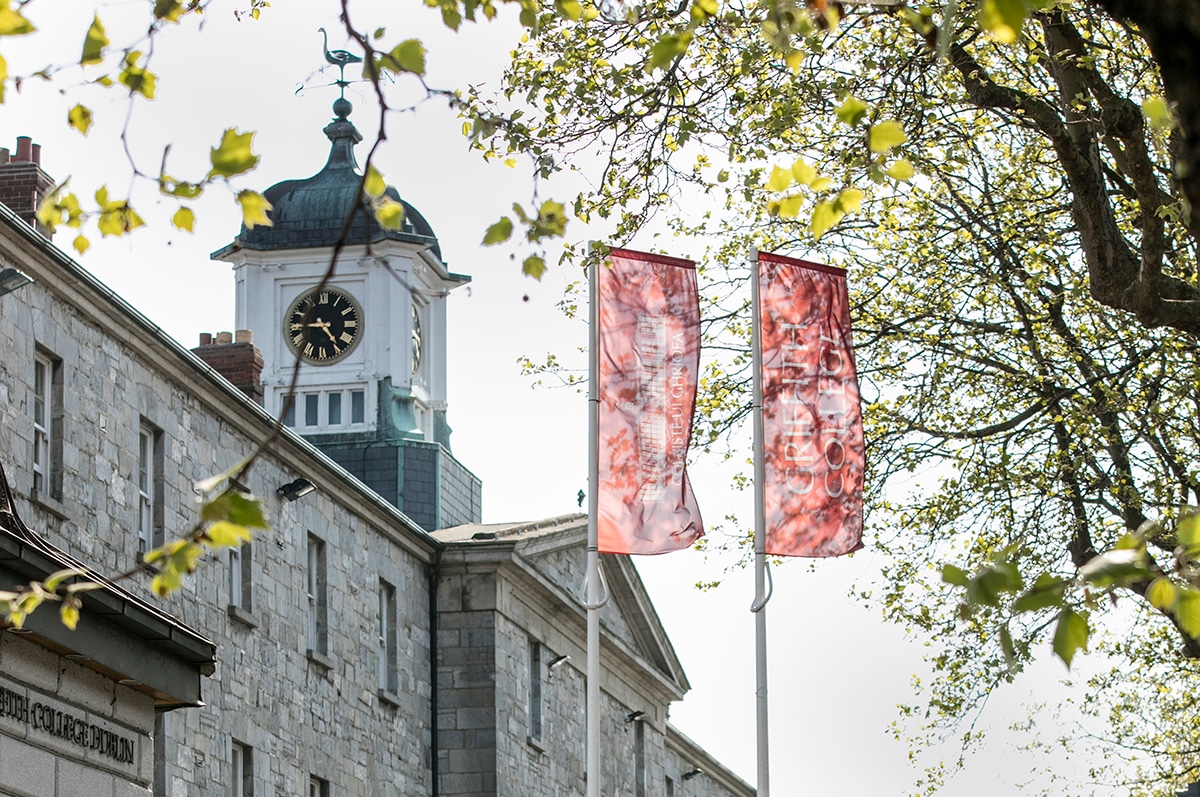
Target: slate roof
{"x":311,"y":212}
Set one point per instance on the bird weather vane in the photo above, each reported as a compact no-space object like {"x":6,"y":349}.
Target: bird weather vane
{"x":339,"y":58}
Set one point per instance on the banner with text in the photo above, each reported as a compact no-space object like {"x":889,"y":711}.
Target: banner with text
{"x":812,"y":416}
{"x":649,"y":361}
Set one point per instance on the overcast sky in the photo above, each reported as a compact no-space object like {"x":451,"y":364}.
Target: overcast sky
{"x":836,"y":671}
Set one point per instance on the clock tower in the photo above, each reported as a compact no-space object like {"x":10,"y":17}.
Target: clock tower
{"x":370,"y":341}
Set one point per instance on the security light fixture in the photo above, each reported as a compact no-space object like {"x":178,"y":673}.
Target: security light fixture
{"x":296,"y":490}
{"x":692,"y":773}
{"x":634,"y":716}
{"x":557,"y":661}
{"x":11,"y":279}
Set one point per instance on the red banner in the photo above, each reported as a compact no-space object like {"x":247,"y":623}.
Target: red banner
{"x":812,"y":417}
{"x":649,"y":361}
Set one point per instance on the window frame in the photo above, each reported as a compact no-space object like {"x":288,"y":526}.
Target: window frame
{"x":388,"y":662}
{"x":149,"y":485}
{"x":241,"y":762}
{"x":535,"y":693}
{"x":316,"y":592}
{"x":46,"y":401}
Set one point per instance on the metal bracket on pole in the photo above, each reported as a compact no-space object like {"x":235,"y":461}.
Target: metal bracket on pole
{"x":583,"y":594}
{"x":761,"y":601}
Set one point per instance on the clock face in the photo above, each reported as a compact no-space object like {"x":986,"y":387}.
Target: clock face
{"x":322,"y":327}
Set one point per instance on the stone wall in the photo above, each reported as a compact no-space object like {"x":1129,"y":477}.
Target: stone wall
{"x":321,"y":716}
{"x":67,"y":731}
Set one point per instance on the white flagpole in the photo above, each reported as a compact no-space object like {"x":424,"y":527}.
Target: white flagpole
{"x":594,"y":599}
{"x":761,"y":592}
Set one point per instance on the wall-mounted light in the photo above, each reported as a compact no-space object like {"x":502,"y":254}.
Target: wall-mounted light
{"x":557,"y":661}
{"x":11,"y":279}
{"x":293,"y":491}
{"x":634,"y":716}
{"x":692,"y":773}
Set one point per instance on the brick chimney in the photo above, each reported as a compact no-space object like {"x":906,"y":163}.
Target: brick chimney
{"x":236,"y":358}
{"x":23,"y":184}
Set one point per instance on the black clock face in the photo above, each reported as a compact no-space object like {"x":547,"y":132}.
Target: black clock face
{"x":323,"y":326}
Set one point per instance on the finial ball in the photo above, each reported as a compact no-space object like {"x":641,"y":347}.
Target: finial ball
{"x":342,"y":107}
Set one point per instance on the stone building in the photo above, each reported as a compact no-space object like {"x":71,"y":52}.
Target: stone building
{"x":378,"y":640}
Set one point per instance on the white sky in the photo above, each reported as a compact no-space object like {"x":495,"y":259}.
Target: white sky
{"x":837,"y":672}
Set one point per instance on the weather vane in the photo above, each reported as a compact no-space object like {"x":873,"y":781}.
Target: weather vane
{"x":339,"y":58}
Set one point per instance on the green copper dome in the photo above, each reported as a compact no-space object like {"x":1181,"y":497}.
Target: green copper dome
{"x":311,"y":213}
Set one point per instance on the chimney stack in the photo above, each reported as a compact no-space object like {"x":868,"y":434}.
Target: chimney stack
{"x":240,"y":362}
{"x":23,"y":184}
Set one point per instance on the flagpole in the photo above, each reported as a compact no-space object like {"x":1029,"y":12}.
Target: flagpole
{"x":761,"y":594}
{"x":594,"y":598}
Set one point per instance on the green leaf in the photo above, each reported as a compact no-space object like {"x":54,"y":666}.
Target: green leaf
{"x":184,"y":219}
{"x":247,"y":510}
{"x":1047,"y":591}
{"x":224,"y":534}
{"x":52,"y":581}
{"x":1187,"y":612}
{"x":789,"y":206}
{"x":803,"y":172}
{"x":1121,"y":566}
{"x":886,"y":135}
{"x":1070,"y":634}
{"x":667,"y":49}
{"x":499,"y":232}
{"x":849,"y":201}
{"x":1006,"y":645}
{"x":116,"y":218}
{"x":1187,"y":534}
{"x":233,"y":155}
{"x":137,"y":79}
{"x":389,"y":213}
{"x":991,"y":582}
{"x":80,"y":118}
{"x":900,"y":170}
{"x":824,"y":216}
{"x":534,"y":266}
{"x":12,"y":23}
{"x":954,"y":575}
{"x":780,"y":179}
{"x":1002,"y":18}
{"x":704,"y":9}
{"x":254,"y":209}
{"x":852,"y":111}
{"x":407,"y":56}
{"x":69,"y":614}
{"x":94,"y":43}
{"x":81,"y":243}
{"x":571,"y":9}
{"x":374,"y":184}
{"x":170,"y":10}
{"x":1158,"y":113}
{"x":1162,"y":594}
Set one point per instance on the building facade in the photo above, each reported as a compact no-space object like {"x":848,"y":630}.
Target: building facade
{"x":377,"y":640}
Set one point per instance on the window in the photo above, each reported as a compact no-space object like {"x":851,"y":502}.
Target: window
{"x":47,"y":425}
{"x":240,"y":565}
{"x":670,"y":788}
{"x":326,"y":409}
{"x":389,"y":676}
{"x":534,"y":696}
{"x":639,"y":758}
{"x":241,"y":781}
{"x":149,"y":486}
{"x":316,"y":589}
{"x":317,"y":787}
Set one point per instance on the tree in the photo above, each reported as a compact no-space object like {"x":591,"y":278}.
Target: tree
{"x":1014,"y":196}
{"x":1025,"y":176}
